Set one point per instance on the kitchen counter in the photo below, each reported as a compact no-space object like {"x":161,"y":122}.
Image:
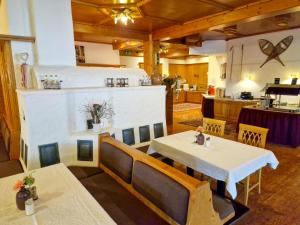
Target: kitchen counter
{"x":227,"y":109}
{"x":229,"y":99}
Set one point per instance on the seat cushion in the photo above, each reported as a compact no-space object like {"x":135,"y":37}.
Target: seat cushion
{"x":164,"y":192}
{"x":9,"y":168}
{"x":222,"y":206}
{"x":120,"y":204}
{"x":81,"y":172}
{"x":117,"y":161}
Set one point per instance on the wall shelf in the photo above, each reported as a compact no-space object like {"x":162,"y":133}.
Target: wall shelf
{"x":6,"y":37}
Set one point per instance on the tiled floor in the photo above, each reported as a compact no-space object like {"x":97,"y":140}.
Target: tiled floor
{"x":279,"y":202}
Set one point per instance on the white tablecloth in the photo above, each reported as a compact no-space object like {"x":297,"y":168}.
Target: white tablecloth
{"x":224,"y":160}
{"x":63,"y":200}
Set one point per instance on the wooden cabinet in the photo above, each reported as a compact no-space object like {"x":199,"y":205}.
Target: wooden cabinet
{"x":192,"y":73}
{"x":197,"y":75}
{"x":178,"y":70}
{"x":229,"y":110}
{"x":194,"y":97}
{"x":179,"y":97}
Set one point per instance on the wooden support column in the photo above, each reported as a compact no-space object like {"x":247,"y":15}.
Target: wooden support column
{"x":151,"y":56}
{"x":10,"y":111}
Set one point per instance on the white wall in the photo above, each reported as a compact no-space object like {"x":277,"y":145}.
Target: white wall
{"x":53,"y":30}
{"x":57,"y":116}
{"x":133,"y":62}
{"x":100,"y":53}
{"x":214,"y":70}
{"x":253,"y":58}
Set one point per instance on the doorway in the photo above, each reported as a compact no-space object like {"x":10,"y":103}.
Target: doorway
{"x":187,"y":96}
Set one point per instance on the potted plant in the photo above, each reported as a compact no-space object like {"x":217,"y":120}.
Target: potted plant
{"x":99,"y":112}
{"x":24,"y":188}
{"x":200,"y":137}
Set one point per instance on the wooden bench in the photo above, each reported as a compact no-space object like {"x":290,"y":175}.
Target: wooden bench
{"x":169,"y":193}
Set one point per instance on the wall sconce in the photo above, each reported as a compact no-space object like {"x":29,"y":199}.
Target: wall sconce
{"x":248,"y":77}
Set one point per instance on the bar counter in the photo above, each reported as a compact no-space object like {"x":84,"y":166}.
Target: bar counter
{"x":284,"y":127}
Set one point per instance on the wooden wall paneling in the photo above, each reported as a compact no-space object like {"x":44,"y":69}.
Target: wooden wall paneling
{"x":8,"y":85}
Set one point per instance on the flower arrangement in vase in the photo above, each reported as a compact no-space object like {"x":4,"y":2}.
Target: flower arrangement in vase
{"x":99,"y":112}
{"x":200,"y":137}
{"x":25,"y":191}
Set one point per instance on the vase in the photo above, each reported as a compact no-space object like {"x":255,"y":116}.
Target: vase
{"x":96,"y":127}
{"x":21,"y":197}
{"x":89,"y":124}
{"x":156,"y":79}
{"x":200,"y":139}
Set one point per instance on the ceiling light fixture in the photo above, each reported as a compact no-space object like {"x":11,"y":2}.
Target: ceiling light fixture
{"x":123,"y":16}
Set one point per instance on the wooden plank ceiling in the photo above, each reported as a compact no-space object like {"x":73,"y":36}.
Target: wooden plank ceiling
{"x":182,"y":21}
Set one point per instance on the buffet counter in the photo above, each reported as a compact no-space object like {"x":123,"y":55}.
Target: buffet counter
{"x":284,"y":127}
{"x":227,"y":109}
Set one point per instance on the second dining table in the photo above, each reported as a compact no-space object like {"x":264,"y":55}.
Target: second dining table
{"x":224,"y":160}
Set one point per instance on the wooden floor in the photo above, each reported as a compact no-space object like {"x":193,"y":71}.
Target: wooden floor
{"x":279,"y":202}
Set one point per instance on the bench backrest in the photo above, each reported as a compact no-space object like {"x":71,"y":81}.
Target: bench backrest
{"x":173,"y":195}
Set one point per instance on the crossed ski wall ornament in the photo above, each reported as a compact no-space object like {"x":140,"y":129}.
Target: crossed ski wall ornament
{"x":273,"y":52}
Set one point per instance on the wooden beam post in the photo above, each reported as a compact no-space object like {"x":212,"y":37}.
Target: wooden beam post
{"x":151,"y":56}
{"x":250,"y":12}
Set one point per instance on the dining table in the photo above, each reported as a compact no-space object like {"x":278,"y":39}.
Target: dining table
{"x":225,"y":160}
{"x":62,"y":200}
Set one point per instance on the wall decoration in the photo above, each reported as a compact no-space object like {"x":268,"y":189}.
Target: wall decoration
{"x":25,"y":70}
{"x":80,"y":55}
{"x":22,"y":149}
{"x":84,"y":150}
{"x":231,"y":61}
{"x":273,"y":52}
{"x":26,"y":154}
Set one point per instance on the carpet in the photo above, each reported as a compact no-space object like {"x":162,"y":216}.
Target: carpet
{"x":185,"y":107}
{"x":230,"y":128}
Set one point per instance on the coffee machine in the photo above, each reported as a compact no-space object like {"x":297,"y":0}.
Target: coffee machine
{"x":245,"y":95}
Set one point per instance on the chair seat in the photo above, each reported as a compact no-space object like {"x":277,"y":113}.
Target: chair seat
{"x":223,"y":207}
{"x":120,"y":204}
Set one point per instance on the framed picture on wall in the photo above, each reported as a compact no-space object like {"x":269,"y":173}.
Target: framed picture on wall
{"x":80,"y":56}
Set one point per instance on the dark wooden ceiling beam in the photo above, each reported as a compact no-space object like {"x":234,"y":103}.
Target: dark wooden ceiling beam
{"x":255,"y":11}
{"x":109,"y":31}
{"x":124,"y":45}
{"x":216,"y":4}
{"x":111,"y":6}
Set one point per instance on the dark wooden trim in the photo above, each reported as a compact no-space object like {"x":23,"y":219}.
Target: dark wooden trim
{"x":255,"y":11}
{"x":6,"y":37}
{"x":100,"y":65}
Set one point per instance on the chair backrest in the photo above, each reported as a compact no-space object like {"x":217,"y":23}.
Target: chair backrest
{"x":252,"y":135}
{"x":214,"y":127}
